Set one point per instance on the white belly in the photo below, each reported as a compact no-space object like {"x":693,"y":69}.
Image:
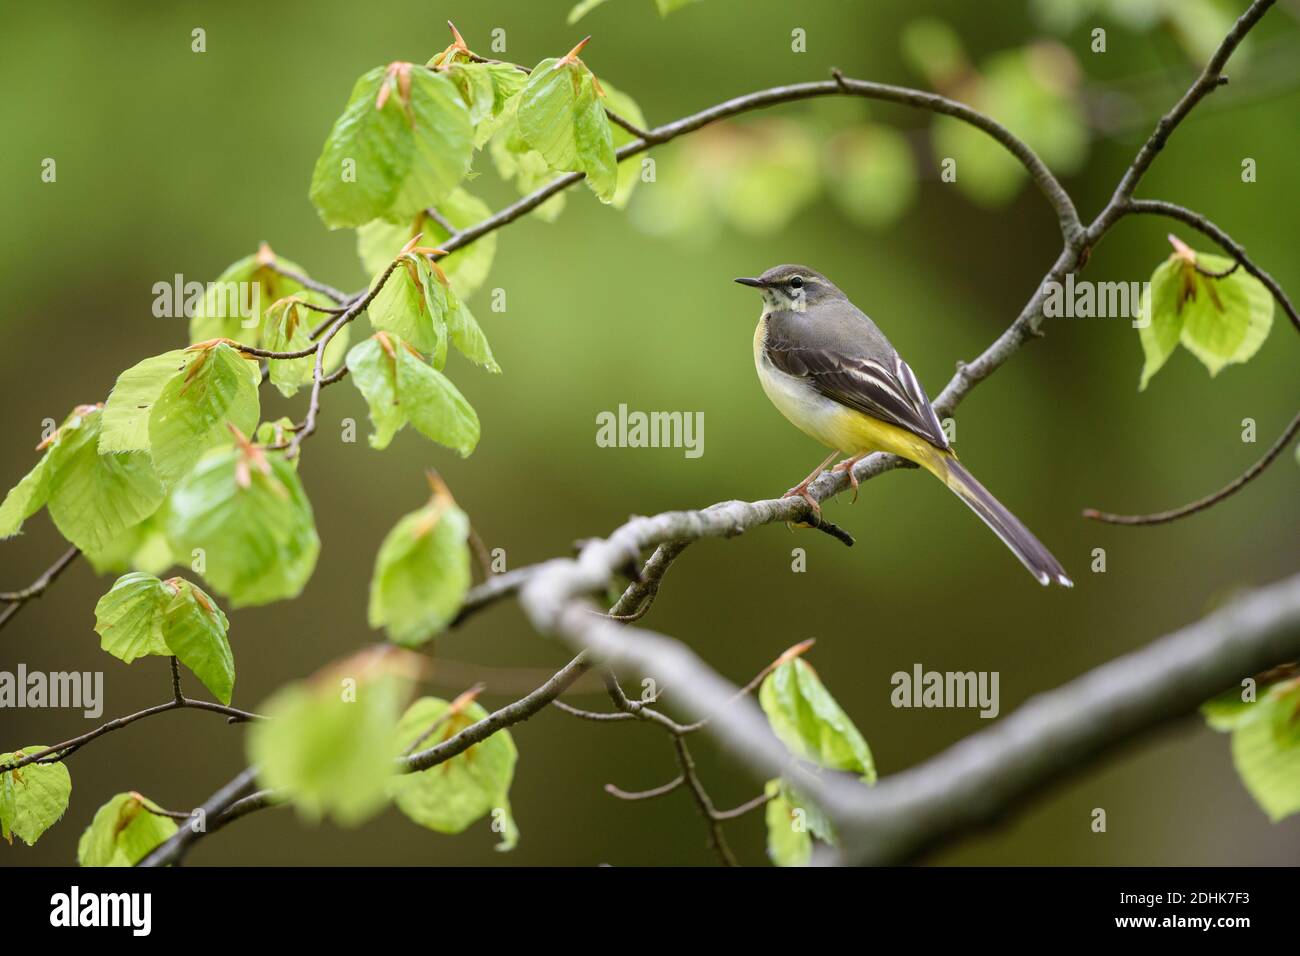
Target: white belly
{"x":813,"y":414}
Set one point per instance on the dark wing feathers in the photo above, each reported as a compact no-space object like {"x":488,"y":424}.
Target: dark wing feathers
{"x":892,"y":395}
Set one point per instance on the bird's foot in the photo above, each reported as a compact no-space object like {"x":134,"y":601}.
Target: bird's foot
{"x":847,"y":466}
{"x":801,"y":491}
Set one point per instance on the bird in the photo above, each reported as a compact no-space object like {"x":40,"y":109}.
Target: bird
{"x":830,"y":370}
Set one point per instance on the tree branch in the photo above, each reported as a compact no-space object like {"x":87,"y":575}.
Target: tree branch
{"x":1164,"y":517}
{"x":16,"y":599}
{"x":1055,"y":734}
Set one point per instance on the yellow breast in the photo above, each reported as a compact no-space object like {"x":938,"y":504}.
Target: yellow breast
{"x":827,"y":421}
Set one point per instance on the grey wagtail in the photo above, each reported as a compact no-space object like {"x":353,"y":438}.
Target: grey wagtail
{"x":831,"y":371}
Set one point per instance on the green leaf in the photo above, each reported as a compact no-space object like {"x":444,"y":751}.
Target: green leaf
{"x":1164,"y":317}
{"x":485,"y":88}
{"x":33,"y":797}
{"x":435,"y":406}
{"x":234,"y":305}
{"x":421,"y":573}
{"x":1229,"y":319}
{"x":629,"y":173}
{"x":93,"y":498}
{"x":668,"y":6}
{"x":581,"y":9}
{"x":789,"y":843}
{"x":400,"y":387}
{"x":393,"y":161}
{"x":451,"y":796}
{"x":403,"y":308}
{"x":374,"y":373}
{"x":379,"y":242}
{"x":516,"y":160}
{"x":330,"y":741}
{"x":123,"y":832}
{"x":217,"y":389}
{"x":289,"y":330}
{"x":141,"y":615}
{"x":1266,"y":751}
{"x":1219,"y":320}
{"x":810,"y":723}
{"x":129,"y":618}
{"x":466,"y":334}
{"x":25,"y":498}
{"x":560,"y":116}
{"x":248,"y":513}
{"x":126,"y":414}
{"x":195,"y":631}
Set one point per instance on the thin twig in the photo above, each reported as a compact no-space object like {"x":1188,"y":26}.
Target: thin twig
{"x":59,"y":752}
{"x":16,"y":599}
{"x":1227,"y":491}
{"x":650,"y":794}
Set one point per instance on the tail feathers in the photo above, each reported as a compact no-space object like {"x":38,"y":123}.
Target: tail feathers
{"x":1031,"y":552}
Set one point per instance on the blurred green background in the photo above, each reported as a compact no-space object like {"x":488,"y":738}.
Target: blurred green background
{"x":172,"y":162}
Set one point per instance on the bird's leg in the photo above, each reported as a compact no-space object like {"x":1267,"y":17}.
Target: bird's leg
{"x":847,"y":466}
{"x":801,"y":490}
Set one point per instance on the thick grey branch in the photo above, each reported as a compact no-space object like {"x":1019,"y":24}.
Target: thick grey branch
{"x":1059,"y":732}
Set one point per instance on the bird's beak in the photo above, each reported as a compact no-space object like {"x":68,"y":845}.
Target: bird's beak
{"x":756,"y":283}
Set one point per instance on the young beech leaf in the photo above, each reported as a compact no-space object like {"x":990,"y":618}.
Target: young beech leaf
{"x":128,"y":619}
{"x":25,"y":498}
{"x":403,"y":308}
{"x":234,"y":305}
{"x":1229,"y":319}
{"x":379,"y":241}
{"x":217,"y":388}
{"x":195,"y":631}
{"x":142,"y":615}
{"x":1266,"y":750}
{"x":516,"y":160}
{"x":126,"y":413}
{"x":288,"y":329}
{"x":289,"y":325}
{"x":454,"y":794}
{"x":247,"y":510}
{"x":330,"y":740}
{"x":629,"y":174}
{"x":466,"y":334}
{"x":1161,"y":307}
{"x":561,"y":117}
{"x":789,"y":841}
{"x":94,"y":498}
{"x":421,"y":573}
{"x":810,"y":723}
{"x":32,"y":798}
{"x":403,"y":142}
{"x":123,"y":832}
{"x":1221,"y":321}
{"x":485,"y":88}
{"x":399,"y":387}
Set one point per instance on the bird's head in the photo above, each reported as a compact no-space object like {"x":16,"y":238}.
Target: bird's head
{"x":792,"y":287}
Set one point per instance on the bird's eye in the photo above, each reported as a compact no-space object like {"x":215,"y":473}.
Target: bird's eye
{"x":796,"y":282}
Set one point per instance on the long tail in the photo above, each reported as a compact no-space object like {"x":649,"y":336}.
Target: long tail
{"x":1005,"y":525}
